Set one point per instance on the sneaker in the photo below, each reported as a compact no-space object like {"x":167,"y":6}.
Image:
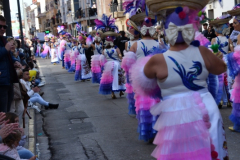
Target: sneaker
{"x":41,"y":84}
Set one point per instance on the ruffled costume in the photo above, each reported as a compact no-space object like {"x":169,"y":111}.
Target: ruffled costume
{"x":62,"y":51}
{"x":189,"y":124}
{"x":67,"y":54}
{"x":37,"y":54}
{"x":83,"y":72}
{"x":128,"y":60}
{"x":144,"y":100}
{"x":54,"y":54}
{"x":46,"y":50}
{"x":74,"y":55}
{"x":234,"y":70}
{"x":96,"y":64}
{"x":113,"y":77}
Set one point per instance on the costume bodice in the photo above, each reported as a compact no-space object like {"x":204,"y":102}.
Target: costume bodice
{"x":145,"y":47}
{"x":130,"y":43}
{"x":234,"y":36}
{"x":81,"y":49}
{"x":186,"y":72}
{"x":111,"y":54}
{"x":38,"y":45}
{"x":68,"y":46}
{"x":54,"y":45}
{"x":98,"y":49}
{"x":222,"y":41}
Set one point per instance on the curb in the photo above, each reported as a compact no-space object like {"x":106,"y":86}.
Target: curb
{"x":31,"y":132}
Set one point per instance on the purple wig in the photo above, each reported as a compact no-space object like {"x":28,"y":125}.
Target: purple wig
{"x":175,"y":19}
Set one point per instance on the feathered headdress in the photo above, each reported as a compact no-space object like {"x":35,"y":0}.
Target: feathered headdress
{"x":89,"y":40}
{"x":79,"y":27}
{"x":106,"y":24}
{"x":60,"y":29}
{"x":134,"y":6}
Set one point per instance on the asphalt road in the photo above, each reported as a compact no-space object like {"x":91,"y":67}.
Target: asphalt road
{"x":90,"y":126}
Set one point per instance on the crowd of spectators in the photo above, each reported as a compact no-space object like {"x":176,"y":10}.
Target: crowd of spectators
{"x":19,"y":90}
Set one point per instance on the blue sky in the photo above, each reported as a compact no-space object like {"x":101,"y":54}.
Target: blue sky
{"x":14,"y":8}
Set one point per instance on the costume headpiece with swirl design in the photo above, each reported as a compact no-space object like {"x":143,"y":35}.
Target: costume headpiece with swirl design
{"x":106,"y":25}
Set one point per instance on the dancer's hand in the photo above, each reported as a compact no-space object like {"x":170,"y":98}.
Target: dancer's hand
{"x":219,"y":55}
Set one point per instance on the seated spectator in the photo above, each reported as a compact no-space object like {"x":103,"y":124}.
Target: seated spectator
{"x":34,"y":75}
{"x":6,"y":129}
{"x":33,"y":93}
{"x":8,"y":147}
{"x":23,"y":152}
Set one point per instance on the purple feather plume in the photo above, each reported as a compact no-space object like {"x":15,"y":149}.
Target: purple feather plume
{"x":106,"y":23}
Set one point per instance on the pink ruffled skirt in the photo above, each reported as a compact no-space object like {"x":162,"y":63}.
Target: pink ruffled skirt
{"x":189,"y":127}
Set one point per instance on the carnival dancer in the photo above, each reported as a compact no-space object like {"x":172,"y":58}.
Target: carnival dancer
{"x":67,"y":52}
{"x":74,"y":55}
{"x":54,"y":55}
{"x":38,"y":50}
{"x":112,"y":78}
{"x":62,"y":47}
{"x":221,"y":43}
{"x":195,"y":129}
{"x":96,"y":65}
{"x":234,"y":69}
{"x":83,"y":71}
{"x":134,"y":35}
{"x":46,"y":47}
{"x":139,"y":49}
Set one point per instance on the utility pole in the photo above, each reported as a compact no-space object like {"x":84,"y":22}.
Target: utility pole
{"x":7,"y":15}
{"x":20,"y":23}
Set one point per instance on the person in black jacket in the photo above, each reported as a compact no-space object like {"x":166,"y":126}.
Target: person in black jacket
{"x":205,"y":31}
{"x":8,"y":74}
{"x":122,"y":41}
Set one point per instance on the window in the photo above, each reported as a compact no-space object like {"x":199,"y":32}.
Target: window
{"x":210,"y":14}
{"x":237,"y":2}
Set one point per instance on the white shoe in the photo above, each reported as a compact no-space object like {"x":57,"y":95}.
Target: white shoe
{"x":41,"y":84}
{"x":31,"y":105}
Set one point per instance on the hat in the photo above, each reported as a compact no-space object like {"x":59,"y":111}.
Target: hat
{"x":235,"y":11}
{"x":107,"y":26}
{"x":159,"y":5}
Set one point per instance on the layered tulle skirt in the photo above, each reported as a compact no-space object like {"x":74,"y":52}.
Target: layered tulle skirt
{"x":233,"y":61}
{"x":112,"y":78}
{"x":46,"y":51}
{"x":83,"y":70}
{"x":54,"y":56}
{"x":59,"y":53}
{"x":128,"y":60}
{"x":96,"y":69}
{"x":189,"y":127}
{"x":37,"y":54}
{"x":73,"y":63}
{"x":67,"y":59}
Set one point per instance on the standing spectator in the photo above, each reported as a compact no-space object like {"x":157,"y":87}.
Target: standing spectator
{"x":8,"y":74}
{"x":205,"y":31}
{"x":211,"y":33}
{"x":121,"y":42}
